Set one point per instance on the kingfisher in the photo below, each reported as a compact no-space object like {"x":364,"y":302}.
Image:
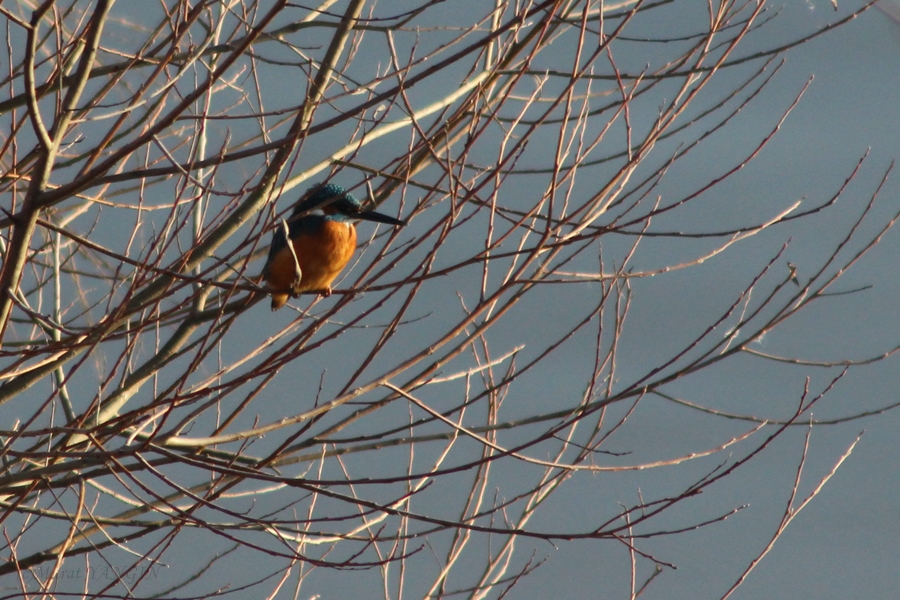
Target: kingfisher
{"x":322,"y":243}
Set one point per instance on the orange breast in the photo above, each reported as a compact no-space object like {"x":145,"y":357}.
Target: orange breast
{"x":322,"y":256}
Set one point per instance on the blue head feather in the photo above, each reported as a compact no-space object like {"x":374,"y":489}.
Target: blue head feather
{"x":331,"y":198}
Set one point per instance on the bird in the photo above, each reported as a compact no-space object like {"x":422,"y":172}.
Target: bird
{"x":322,"y":243}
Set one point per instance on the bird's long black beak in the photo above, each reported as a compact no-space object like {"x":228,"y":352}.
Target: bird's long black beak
{"x":371,"y":215}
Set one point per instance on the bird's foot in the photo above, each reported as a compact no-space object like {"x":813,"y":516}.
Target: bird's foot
{"x":295,"y":287}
